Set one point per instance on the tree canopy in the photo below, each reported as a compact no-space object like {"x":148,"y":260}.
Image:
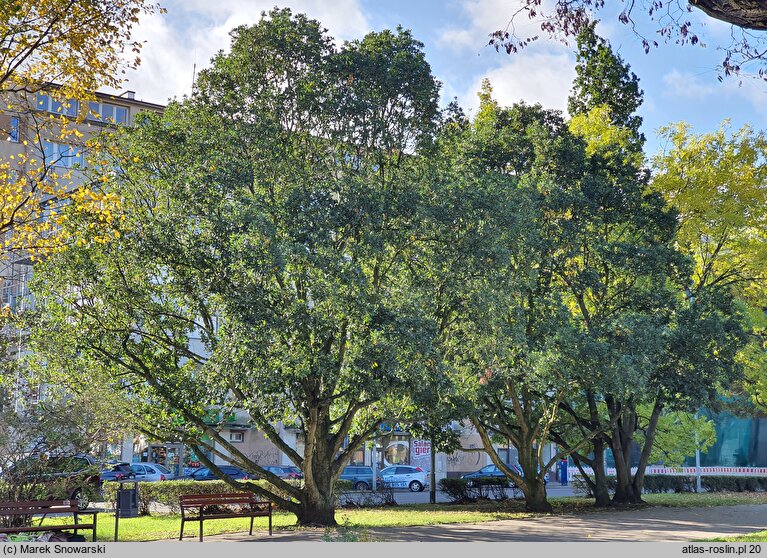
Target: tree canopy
{"x":70,"y":49}
{"x":267,"y":218}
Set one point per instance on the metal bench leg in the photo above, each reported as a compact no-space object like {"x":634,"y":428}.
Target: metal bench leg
{"x":270,"y":521}
{"x":200,"y":529}
{"x":95,"y":516}
{"x":251,"y":524}
{"x":181,"y":533}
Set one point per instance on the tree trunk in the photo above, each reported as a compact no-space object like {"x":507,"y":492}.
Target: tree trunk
{"x":749,"y":14}
{"x":319,"y":503}
{"x":638,"y":483}
{"x":600,"y":489}
{"x":534,"y":490}
{"x":317,"y":507}
{"x":622,"y":439}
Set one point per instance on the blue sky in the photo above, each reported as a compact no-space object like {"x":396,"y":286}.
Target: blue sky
{"x":679,"y":82}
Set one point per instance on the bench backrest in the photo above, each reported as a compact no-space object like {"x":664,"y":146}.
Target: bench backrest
{"x":35,"y":507}
{"x":219,"y":499}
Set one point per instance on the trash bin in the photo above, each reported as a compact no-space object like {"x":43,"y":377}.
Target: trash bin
{"x":127,"y":499}
{"x":126,"y":504}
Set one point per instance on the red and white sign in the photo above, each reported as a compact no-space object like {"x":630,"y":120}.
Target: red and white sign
{"x":421,"y":448}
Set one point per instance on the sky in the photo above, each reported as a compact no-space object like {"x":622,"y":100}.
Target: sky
{"x":679,"y":82}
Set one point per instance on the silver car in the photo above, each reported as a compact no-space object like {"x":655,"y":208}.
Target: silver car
{"x":151,"y":472}
{"x":404,"y":476}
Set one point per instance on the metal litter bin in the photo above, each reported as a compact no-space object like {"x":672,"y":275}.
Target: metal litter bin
{"x":126,"y":504}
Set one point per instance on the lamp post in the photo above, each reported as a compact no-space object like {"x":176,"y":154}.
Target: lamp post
{"x":374,"y":463}
{"x":432,"y":475}
{"x":698,"y":484}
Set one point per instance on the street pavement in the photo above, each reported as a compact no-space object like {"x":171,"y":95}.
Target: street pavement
{"x":652,"y":524}
{"x":404,"y":496}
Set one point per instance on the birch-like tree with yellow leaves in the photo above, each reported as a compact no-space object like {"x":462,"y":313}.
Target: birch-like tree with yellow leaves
{"x":54,"y":56}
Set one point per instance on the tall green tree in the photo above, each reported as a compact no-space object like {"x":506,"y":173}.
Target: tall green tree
{"x":260,"y":264}
{"x":718,"y":184}
{"x":495,"y":234}
{"x":602,"y":78}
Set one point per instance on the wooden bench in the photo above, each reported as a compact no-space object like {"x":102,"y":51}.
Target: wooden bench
{"x":33,"y":508}
{"x":222,"y":506}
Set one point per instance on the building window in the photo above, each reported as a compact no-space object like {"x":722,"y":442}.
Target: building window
{"x":13,"y":133}
{"x":62,"y":155}
{"x":68,"y":107}
{"x":236,"y":436}
{"x":107,"y":112}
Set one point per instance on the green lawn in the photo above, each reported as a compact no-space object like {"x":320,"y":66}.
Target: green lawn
{"x":759,"y":536}
{"x":159,"y":527}
{"x":706,"y":499}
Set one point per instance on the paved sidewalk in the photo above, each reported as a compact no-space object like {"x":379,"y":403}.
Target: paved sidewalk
{"x":650,"y":524}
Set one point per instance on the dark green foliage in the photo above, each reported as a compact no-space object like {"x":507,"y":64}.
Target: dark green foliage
{"x":167,"y":493}
{"x":660,"y":484}
{"x":603,"y":79}
{"x":269,"y":216}
{"x":471,"y":490}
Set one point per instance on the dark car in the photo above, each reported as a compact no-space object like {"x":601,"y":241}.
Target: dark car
{"x":285,"y":472}
{"x":117,"y":472}
{"x":360,"y":477}
{"x":491,"y":471}
{"x":205,"y":474}
{"x":73,"y":477}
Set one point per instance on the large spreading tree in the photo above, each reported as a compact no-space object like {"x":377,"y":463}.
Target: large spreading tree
{"x":260,"y":260}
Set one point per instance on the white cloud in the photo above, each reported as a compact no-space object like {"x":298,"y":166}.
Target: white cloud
{"x":482,"y":17}
{"x":540,"y":77}
{"x":688,"y":86}
{"x":194,"y":30}
{"x":684,"y":85}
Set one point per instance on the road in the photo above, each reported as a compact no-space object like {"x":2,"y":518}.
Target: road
{"x":647,"y":524}
{"x":402,"y":496}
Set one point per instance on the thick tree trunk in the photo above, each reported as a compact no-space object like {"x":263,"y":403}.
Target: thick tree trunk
{"x":600,"y":489}
{"x":637,"y":484}
{"x":319,"y":509}
{"x":749,"y":14}
{"x":534,"y":490}
{"x":318,"y":504}
{"x":621,"y":442}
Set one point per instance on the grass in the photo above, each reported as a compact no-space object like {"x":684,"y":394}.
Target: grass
{"x":759,"y":536}
{"x":355,"y":521}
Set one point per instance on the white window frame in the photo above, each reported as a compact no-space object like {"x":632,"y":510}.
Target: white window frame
{"x":58,"y":155}
{"x":45,"y":102}
{"x":96,"y":112}
{"x":14,"y":132}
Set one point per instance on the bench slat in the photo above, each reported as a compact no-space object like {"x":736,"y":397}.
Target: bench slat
{"x":26,"y":528}
{"x":251,"y":508}
{"x":47,"y":507}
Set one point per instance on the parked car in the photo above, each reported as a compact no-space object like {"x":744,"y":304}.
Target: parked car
{"x":285,"y":472}
{"x":404,"y":476}
{"x":360,"y":477}
{"x":117,"y":472}
{"x":74,"y":477}
{"x":491,"y":471}
{"x":205,"y":474}
{"x":151,"y":472}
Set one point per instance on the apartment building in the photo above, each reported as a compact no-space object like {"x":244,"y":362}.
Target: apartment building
{"x":32,"y":145}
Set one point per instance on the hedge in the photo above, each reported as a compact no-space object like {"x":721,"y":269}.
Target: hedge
{"x":470,"y":490}
{"x":167,"y":492}
{"x":658,"y":484}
